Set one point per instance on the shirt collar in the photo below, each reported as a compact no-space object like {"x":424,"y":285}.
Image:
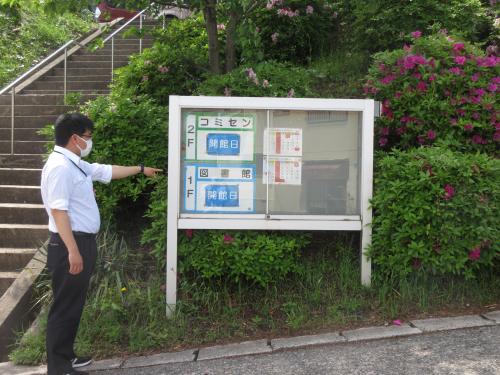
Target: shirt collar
{"x":71,"y":156}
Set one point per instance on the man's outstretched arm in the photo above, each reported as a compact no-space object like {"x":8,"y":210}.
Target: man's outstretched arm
{"x":122,"y":172}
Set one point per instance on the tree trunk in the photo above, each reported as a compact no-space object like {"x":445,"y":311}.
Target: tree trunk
{"x":234,"y":18}
{"x":210,"y":15}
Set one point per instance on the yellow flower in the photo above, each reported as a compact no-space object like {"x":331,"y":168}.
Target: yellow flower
{"x":123,"y":290}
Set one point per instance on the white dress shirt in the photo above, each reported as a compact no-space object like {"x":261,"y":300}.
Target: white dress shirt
{"x":65,"y":187}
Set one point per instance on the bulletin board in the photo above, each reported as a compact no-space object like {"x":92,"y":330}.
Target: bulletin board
{"x":269,"y":164}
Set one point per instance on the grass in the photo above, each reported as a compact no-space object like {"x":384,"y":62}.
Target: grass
{"x":125,"y":312}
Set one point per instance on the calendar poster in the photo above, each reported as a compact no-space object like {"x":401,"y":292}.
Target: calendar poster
{"x":282,"y":171}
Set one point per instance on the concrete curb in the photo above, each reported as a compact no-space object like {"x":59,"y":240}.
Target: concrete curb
{"x":414,"y":327}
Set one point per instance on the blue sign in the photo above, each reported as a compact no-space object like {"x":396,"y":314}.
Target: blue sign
{"x":223,"y":144}
{"x":222,"y":196}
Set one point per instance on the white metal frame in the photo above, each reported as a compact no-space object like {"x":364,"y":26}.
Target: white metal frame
{"x":176,"y":220}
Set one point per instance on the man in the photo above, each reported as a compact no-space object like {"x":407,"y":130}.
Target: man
{"x":68,"y":197}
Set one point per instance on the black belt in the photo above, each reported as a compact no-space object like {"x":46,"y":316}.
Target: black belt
{"x":78,"y":234}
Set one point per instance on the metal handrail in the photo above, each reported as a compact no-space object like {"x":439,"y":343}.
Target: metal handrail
{"x":12,"y":86}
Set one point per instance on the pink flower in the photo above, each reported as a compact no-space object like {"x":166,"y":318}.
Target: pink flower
{"x":382,"y":141}
{"x":453,"y":121}
{"x":496,"y":136}
{"x":421,"y":139}
{"x":401,"y":130}
{"x":479,"y":92}
{"x":457,"y":47}
{"x":456,"y":70}
{"x":228,"y":238}
{"x":449,"y":192}
{"x":475,"y":253}
{"x":476,"y":116}
{"x":274,"y":37}
{"x":432,"y":77}
{"x":468,"y":127}
{"x":397,"y":322}
{"x":163,"y":69}
{"x":422,"y":86}
{"x":496,"y":80}
{"x":265,"y":83}
{"x":478,"y":140}
{"x":221,"y":26}
{"x":250,"y":73}
{"x":492,"y":87}
{"x":431,"y":135}
{"x":388,"y":79}
{"x":460,"y":60}
{"x":416,"y":34}
{"x":309,"y":9}
{"x":398,"y":94}
{"x":189,"y":233}
{"x":475,"y":77}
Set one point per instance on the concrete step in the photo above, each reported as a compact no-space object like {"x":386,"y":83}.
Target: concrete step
{"x":95,"y":64}
{"x":34,"y":110}
{"x":20,"y":176}
{"x":14,"y":260}
{"x":82,"y":71}
{"x":22,"y":213}
{"x":46,"y":99}
{"x":27,"y":122}
{"x":59,"y":92}
{"x":6,"y":279}
{"x":23,"y":147}
{"x":92,"y":57}
{"x":82,"y":85}
{"x":28,"y":134}
{"x":21,"y":161}
{"x":23,"y":235}
{"x":54,"y":78}
{"x":20,"y":194}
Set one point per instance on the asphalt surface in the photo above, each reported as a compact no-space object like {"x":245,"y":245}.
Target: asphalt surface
{"x":474,"y":351}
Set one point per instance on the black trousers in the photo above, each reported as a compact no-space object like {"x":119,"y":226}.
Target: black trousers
{"x":70,"y":292}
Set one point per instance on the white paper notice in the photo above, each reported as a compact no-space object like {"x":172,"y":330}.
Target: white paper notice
{"x":282,"y":171}
{"x":283,"y":141}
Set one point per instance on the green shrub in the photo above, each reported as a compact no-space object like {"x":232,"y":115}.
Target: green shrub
{"x":257,"y":257}
{"x":173,"y":66}
{"x":127,"y":132}
{"x":436,"y":90}
{"x":379,"y":25}
{"x":435,"y":212}
{"x":27,"y":36}
{"x":265,"y":79}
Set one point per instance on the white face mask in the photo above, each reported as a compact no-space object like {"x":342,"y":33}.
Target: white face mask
{"x":84,"y":152}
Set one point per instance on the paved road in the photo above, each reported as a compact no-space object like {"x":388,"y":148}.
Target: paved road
{"x":467,"y":351}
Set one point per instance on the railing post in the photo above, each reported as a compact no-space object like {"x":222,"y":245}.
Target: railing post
{"x":65,"y":69}
{"x":163,"y":25}
{"x":112,"y":55}
{"x":140,"y":36}
{"x":12,"y":113}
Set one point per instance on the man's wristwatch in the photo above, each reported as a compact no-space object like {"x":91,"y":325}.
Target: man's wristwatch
{"x":142,"y":168}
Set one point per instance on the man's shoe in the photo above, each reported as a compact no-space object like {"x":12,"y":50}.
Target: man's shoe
{"x":81,"y":362}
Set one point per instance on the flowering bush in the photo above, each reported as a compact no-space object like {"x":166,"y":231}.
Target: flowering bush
{"x":436,"y":90}
{"x":288,"y":30}
{"x":259,"y":257}
{"x":173,"y":66}
{"x":435,"y":211}
{"x":264,"y":79}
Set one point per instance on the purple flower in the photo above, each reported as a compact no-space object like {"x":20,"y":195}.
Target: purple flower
{"x":476,"y":116}
{"x":422,"y":86}
{"x":460,"y":60}
{"x":431,"y":135}
{"x":228,"y":239}
{"x":496,"y":136}
{"x":382,"y":141}
{"x":478,"y":140}
{"x":468,"y":127}
{"x":475,"y":253}
{"x":401,"y":130}
{"x":421,"y":139}
{"x":416,"y":34}
{"x":250,"y":74}
{"x":492,"y":87}
{"x":309,"y":9}
{"x":432,"y":77}
{"x":455,"y":70}
{"x":384,"y":131}
{"x":449,"y":192}
{"x":388,"y":79}
{"x":479,"y":92}
{"x":457,"y":47}
{"x":475,"y":77}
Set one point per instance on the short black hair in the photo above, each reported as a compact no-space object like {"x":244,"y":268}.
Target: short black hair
{"x":69,"y":124}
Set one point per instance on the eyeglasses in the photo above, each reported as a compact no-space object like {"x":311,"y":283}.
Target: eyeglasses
{"x":86,"y":136}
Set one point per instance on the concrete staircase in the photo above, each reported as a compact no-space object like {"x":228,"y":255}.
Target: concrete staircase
{"x":23,"y":220}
